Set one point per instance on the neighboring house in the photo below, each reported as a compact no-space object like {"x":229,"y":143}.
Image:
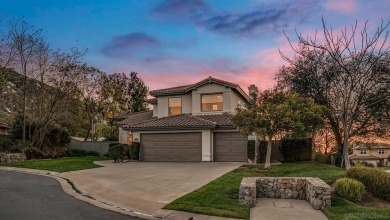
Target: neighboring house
{"x":189,"y":123}
{"x":3,"y":128}
{"x":375,"y":153}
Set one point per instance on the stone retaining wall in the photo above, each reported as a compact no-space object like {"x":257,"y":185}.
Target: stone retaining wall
{"x":314,"y":190}
{"x":12,"y":157}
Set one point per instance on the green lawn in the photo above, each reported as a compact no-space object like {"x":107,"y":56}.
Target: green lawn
{"x":342,"y":209}
{"x":59,"y":165}
{"x":384,"y":168}
{"x":220,"y":197}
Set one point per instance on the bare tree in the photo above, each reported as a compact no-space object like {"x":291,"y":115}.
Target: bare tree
{"x":20,"y":47}
{"x":89,"y":87}
{"x":357,"y":68}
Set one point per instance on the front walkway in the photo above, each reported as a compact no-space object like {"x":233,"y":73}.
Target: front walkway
{"x":285,"y":209}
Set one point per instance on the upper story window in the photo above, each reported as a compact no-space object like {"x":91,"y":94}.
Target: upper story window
{"x":174,"y":106}
{"x":381,"y":151}
{"x":213,"y":102}
{"x":363,"y":151}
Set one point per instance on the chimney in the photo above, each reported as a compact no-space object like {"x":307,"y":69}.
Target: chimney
{"x":253,"y":90}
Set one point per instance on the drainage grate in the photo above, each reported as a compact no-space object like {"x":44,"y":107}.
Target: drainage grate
{"x":283,"y":205}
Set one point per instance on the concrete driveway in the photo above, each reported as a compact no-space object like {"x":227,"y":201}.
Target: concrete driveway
{"x":146,"y":186}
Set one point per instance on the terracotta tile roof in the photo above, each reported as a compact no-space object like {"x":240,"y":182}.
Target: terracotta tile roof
{"x":222,"y":120}
{"x":152,"y":101}
{"x":190,"y":87}
{"x":136,"y":117}
{"x":167,"y":91}
{"x":184,"y":121}
{"x":360,"y":145}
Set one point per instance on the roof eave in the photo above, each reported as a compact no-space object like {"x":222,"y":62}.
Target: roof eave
{"x":168,"y":128}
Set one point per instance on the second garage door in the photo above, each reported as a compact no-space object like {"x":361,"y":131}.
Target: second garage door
{"x":185,"y":147}
{"x":230,"y":147}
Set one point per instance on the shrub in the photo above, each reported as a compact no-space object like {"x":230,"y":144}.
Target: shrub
{"x":76,"y":153}
{"x":116,"y":152}
{"x":113,"y":144}
{"x":350,"y":189}
{"x":296,"y":149}
{"x":92,"y":153}
{"x":376,"y":181}
{"x":134,"y":151}
{"x":321,"y":158}
{"x":34,"y":153}
{"x":80,"y":153}
{"x":251,"y":149}
{"x":6,"y":143}
{"x":362,"y":164}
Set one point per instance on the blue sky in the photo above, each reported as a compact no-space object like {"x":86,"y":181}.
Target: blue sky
{"x":174,"y":42}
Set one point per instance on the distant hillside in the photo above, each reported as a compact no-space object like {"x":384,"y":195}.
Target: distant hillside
{"x":9,"y":104}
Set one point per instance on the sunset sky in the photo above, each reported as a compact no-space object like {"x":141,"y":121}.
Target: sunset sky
{"x":175,"y":42}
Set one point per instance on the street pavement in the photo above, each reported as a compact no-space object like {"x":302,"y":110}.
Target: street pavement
{"x":28,"y":196}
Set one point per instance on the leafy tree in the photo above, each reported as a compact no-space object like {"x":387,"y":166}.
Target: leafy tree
{"x":279,"y":113}
{"x":138,"y":92}
{"x":348,"y":72}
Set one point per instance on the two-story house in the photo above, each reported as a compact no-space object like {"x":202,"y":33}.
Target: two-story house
{"x":189,"y":123}
{"x":375,"y":153}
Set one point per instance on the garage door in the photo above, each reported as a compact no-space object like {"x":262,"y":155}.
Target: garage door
{"x":171,"y":147}
{"x":230,"y":146}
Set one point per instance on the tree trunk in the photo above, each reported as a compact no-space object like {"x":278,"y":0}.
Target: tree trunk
{"x":89,"y":129}
{"x":336,"y":131}
{"x":345,"y":149}
{"x":268,"y":157}
{"x":256,"y":159}
{"x":24,"y":116}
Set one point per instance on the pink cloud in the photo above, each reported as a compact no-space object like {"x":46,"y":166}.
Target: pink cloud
{"x":343,"y":6}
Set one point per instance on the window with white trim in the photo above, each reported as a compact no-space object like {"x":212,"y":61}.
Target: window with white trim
{"x":363,"y":151}
{"x":381,"y":151}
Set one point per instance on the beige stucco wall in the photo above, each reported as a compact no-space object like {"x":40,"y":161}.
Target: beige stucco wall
{"x":123,"y":136}
{"x":155,"y":110}
{"x":210,"y":89}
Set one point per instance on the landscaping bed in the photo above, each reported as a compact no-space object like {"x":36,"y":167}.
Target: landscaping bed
{"x":220,"y":197}
{"x":59,"y":165}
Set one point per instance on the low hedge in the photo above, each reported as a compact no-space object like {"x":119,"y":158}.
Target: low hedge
{"x":350,"y":189}
{"x":376,"y":181}
{"x":81,"y":153}
{"x":134,"y":151}
{"x":116,"y":152}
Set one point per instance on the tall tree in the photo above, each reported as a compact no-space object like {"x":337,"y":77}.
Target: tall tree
{"x":349,"y":72}
{"x":20,"y":47}
{"x":138,"y":92}
{"x":279,"y":113}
